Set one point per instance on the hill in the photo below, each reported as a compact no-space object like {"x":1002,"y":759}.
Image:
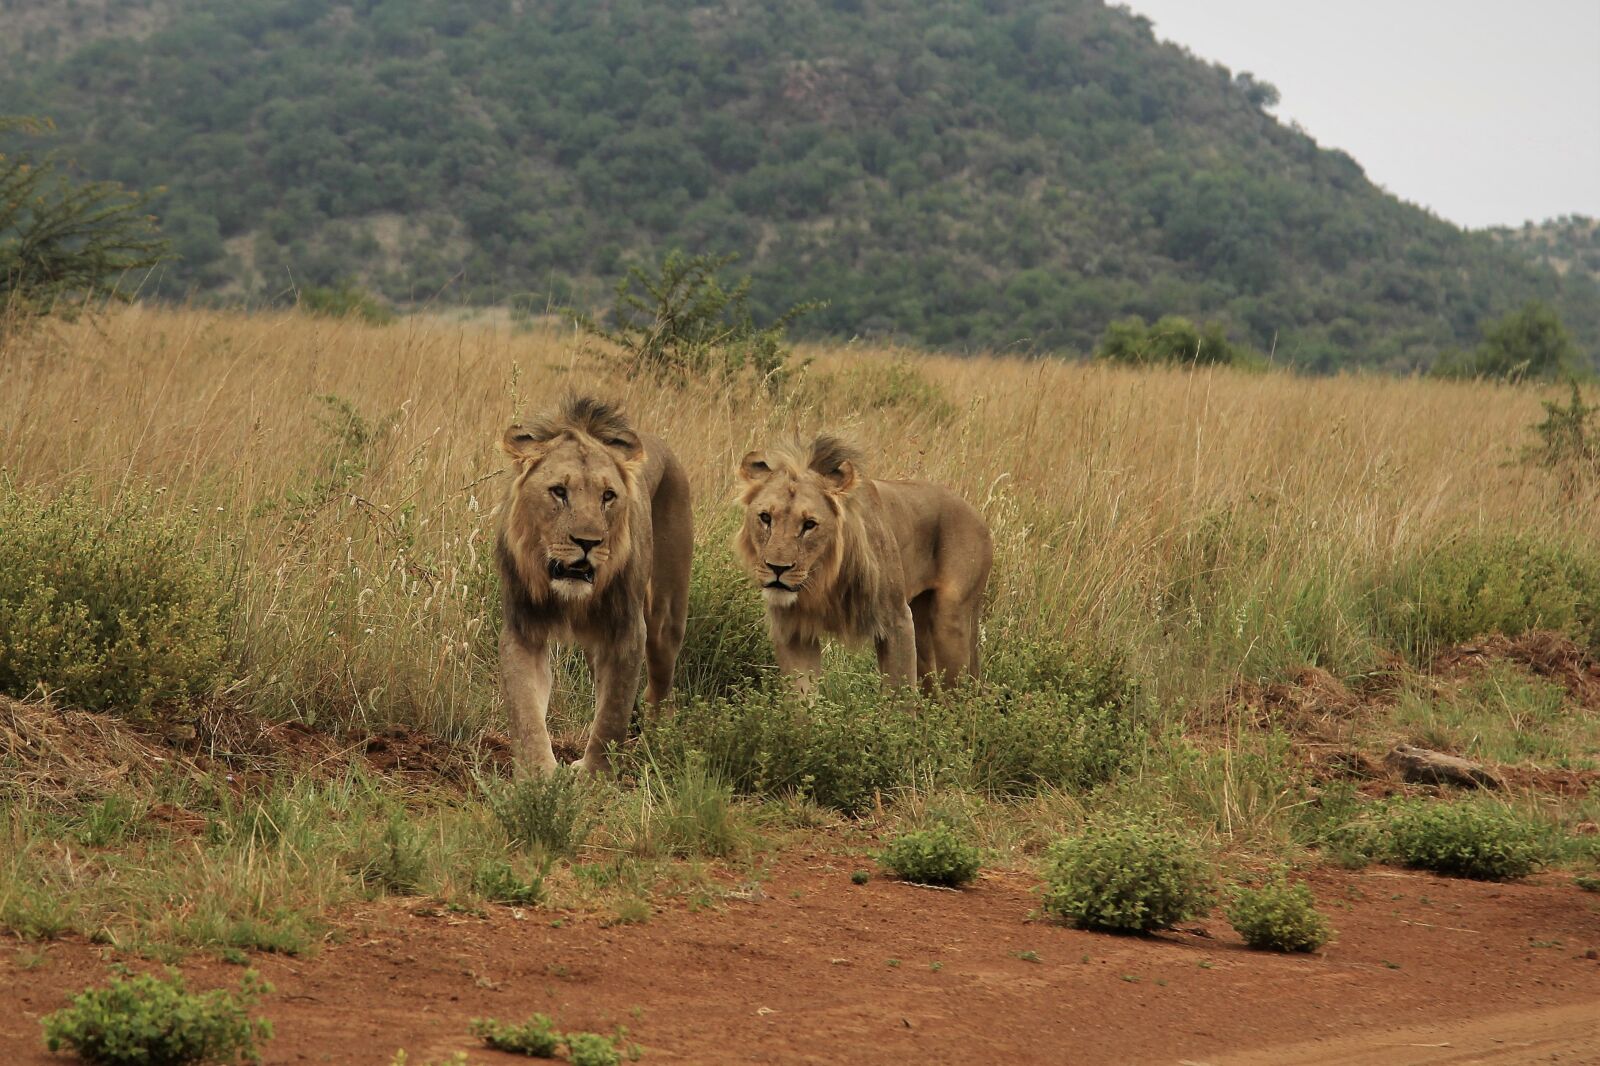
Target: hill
{"x":1567,"y":244}
{"x":962,"y":174}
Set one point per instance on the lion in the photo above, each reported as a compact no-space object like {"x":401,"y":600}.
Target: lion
{"x":594,"y":548}
{"x":902,"y":564}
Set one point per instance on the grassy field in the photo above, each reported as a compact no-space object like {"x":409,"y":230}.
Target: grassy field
{"x":1205,"y":582}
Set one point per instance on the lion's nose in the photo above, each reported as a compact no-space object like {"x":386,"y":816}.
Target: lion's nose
{"x":586,"y":545}
{"x":778,"y":569}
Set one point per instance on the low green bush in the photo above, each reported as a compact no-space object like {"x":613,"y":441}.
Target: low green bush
{"x":935,"y":856}
{"x":1125,"y":875}
{"x":114,"y":606}
{"x":554,"y":812}
{"x":1278,"y":917}
{"x":1488,"y":583}
{"x":155,"y":1021}
{"x":498,"y":881}
{"x":535,"y":1037}
{"x":1039,"y":720}
{"x":1477,"y":839}
{"x":592,"y":1049}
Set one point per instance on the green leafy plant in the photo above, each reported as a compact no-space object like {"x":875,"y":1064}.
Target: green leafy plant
{"x":1278,"y":917}
{"x":554,"y":812}
{"x":1479,"y":840}
{"x":1125,"y":875}
{"x":592,"y":1049}
{"x":934,"y":856}
{"x":1588,"y":882}
{"x":347,"y":299}
{"x":155,"y":1021}
{"x":498,"y":881}
{"x":1569,"y":442}
{"x":535,"y":1037}
{"x":397,"y":860}
{"x":1172,"y":339}
{"x":108,"y":606}
{"x":62,"y":241}
{"x":678,"y":321}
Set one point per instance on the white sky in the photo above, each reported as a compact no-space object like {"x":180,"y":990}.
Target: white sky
{"x":1487,"y":112}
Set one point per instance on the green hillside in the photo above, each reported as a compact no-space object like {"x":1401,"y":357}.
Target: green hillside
{"x":1567,"y":244}
{"x":959,"y":173}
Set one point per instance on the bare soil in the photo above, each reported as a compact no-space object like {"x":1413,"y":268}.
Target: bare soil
{"x":811,"y":968}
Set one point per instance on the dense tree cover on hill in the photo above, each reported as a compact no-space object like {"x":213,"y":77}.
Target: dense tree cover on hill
{"x":962,"y":173}
{"x":1569,"y":243}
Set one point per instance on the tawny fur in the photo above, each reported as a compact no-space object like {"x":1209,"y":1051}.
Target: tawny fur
{"x":594,"y":549}
{"x":902,"y":564}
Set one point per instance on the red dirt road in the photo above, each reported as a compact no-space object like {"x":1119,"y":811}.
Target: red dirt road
{"x":1424,"y":970}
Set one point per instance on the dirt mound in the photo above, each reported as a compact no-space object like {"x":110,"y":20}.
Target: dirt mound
{"x":1313,"y":703}
{"x":67,"y":754}
{"x":1547,"y":654}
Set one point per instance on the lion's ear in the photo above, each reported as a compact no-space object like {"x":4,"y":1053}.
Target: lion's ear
{"x":754,"y":467}
{"x":842,"y":479}
{"x":520,"y":443}
{"x":627,"y":446}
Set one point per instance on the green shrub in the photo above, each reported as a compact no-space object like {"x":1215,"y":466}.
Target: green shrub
{"x":535,"y":1037}
{"x":1125,"y":875}
{"x":1588,"y":882}
{"x":498,"y":881}
{"x":344,"y":300}
{"x":155,"y":1021}
{"x":592,"y":1049}
{"x":1488,"y":583}
{"x":1173,"y":339}
{"x":691,"y":811}
{"x":110,"y":607}
{"x":553,"y":812}
{"x":1478,"y":839}
{"x":396,"y":861}
{"x":678,"y":322}
{"x":725,"y":646}
{"x":933,"y":856}
{"x":1040,"y":720}
{"x":1278,"y":917}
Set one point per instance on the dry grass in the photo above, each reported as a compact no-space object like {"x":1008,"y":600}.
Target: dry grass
{"x":1208,"y":523}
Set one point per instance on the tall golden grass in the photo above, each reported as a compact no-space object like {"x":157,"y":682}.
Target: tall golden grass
{"x":1205,"y":522}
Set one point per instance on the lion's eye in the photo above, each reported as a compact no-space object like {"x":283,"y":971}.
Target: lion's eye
{"x":766,"y":519}
{"x":808,"y":525}
{"x":558,"y":491}
{"x":607,"y":496}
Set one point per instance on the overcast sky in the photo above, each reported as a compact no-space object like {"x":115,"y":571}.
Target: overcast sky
{"x":1485,"y":111}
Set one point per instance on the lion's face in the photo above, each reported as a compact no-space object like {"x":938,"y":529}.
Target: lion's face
{"x":568,"y":523}
{"x":791,"y":539}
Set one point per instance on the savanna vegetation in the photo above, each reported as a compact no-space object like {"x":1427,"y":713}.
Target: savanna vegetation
{"x":227,"y":542}
{"x":962,"y":175}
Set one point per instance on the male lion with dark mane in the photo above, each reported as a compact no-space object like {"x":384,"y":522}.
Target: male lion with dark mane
{"x":594,"y":548}
{"x":900,"y":563}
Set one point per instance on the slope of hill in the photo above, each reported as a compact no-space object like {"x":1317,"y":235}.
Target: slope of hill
{"x":961,"y":173}
{"x":1567,"y":244}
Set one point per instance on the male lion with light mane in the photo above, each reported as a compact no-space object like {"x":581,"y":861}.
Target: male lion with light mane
{"x":594,"y":549}
{"x":900,"y":563}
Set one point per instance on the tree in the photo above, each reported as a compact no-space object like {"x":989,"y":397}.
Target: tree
{"x":1528,"y":343}
{"x":60,"y":240}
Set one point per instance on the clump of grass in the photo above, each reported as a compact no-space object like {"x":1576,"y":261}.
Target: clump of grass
{"x":1478,"y":840}
{"x":1588,"y":882}
{"x":592,"y":1049}
{"x":108,"y":606}
{"x":553,"y":813}
{"x":397,"y":861}
{"x":155,"y":1021}
{"x":934,"y":856}
{"x":1278,"y":917}
{"x":1125,"y":875}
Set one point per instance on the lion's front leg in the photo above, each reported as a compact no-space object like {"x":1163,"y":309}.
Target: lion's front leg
{"x":897,"y":651}
{"x":526,"y":679}
{"x":616,"y":671}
